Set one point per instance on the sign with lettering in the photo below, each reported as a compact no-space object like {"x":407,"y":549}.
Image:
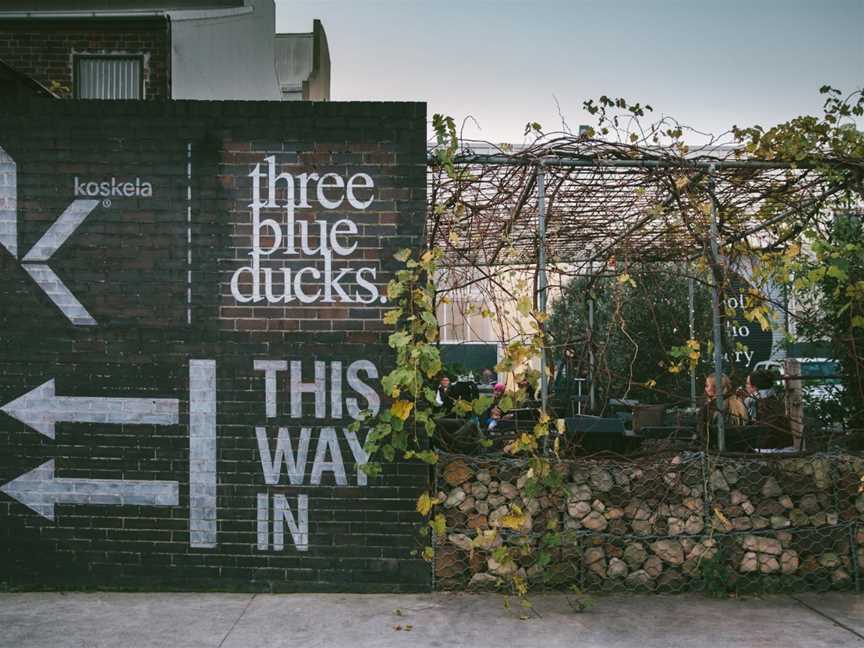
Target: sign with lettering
{"x":190,"y":319}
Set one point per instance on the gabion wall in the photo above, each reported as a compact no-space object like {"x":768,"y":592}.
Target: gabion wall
{"x":672,"y":522}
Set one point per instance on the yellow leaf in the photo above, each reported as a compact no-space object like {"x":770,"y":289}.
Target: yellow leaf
{"x":392,"y":316}
{"x":401,"y":409}
{"x":515,"y":520}
{"x":439,"y":524}
{"x":425,"y":504}
{"x":454,"y":239}
{"x":523,"y":305}
{"x":428,"y":554}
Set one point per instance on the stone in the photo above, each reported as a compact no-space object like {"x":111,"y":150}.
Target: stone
{"x":859,"y":503}
{"x":762,"y":544}
{"x":467,"y":505}
{"x":749,"y":563}
{"x":492,"y":486}
{"x":718,"y":481}
{"x":779,"y":522}
{"x":653,"y":566}
{"x":635,"y":554}
{"x":822,"y":473}
{"x":768,"y":564}
{"x":771,"y":488}
{"x":456,"y":497}
{"x":737,"y":497}
{"x":742,"y":523}
{"x":594,"y":521}
{"x":730,"y":472}
{"x":523,"y":481}
{"x":461,"y":541}
{"x":669,"y":550}
{"x":497,"y":514}
{"x":478,"y":521}
{"x":748,"y":508}
{"x":578,"y":475}
{"x":508,"y":490}
{"x":639,"y":579}
{"x":501,"y":569}
{"x":839,"y":576}
{"x":617,"y":568}
{"x":642,"y":527}
{"x":784,"y":537}
{"x":694,"y":504}
{"x":786,"y":502}
{"x":769,"y":507}
{"x":799,"y":518}
{"x":495,"y":500}
{"x":676,"y":526}
{"x":482,"y":507}
{"x":532,"y":505}
{"x":483,"y":581}
{"x":809,"y":504}
{"x":694,"y":525}
{"x":580,"y":492}
{"x":832,"y":519}
{"x":598,"y":506}
{"x":479,"y":490}
{"x":760,"y":522}
{"x":642,"y":513}
{"x":457,"y":472}
{"x":829,"y":560}
{"x":613,"y":551}
{"x":595,"y":560}
{"x":614,"y":513}
{"x":602,"y":480}
{"x":484,"y":477}
{"x":818,"y":519}
{"x":789,"y":561}
{"x":578,"y":509}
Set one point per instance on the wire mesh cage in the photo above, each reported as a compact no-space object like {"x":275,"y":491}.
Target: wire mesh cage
{"x":672,"y":522}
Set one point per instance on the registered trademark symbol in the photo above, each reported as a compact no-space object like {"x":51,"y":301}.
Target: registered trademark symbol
{"x":106,"y":203}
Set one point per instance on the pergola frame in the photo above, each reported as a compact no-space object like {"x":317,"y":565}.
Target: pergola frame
{"x":742,"y":188}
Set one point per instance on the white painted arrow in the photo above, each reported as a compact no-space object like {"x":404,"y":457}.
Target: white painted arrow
{"x":39,"y":490}
{"x":61,"y":230}
{"x":41,"y":408}
{"x":45,"y":277}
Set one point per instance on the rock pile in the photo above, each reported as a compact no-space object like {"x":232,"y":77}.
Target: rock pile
{"x":651,"y":525}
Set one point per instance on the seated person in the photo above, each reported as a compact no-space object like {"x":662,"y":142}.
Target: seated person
{"x":497,"y":421}
{"x":443,"y":400}
{"x":734,"y":412}
{"x":765,"y":409}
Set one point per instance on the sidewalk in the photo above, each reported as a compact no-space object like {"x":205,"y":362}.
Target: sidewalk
{"x":103,"y":620}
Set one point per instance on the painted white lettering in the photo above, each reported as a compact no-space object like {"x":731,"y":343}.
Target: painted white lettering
{"x":270,"y":368}
{"x":327,"y":441}
{"x":354,"y":382}
{"x":336,"y":183}
{"x":299,"y":527}
{"x":353,"y":183}
{"x":360,"y":456}
{"x":271,"y":465}
{"x":298,"y":388}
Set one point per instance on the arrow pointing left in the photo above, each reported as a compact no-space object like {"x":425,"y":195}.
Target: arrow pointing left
{"x":41,"y":408}
{"x":40,"y":490}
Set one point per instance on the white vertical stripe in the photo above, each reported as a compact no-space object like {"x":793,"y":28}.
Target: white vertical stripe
{"x":189,"y":233}
{"x":202,"y":454}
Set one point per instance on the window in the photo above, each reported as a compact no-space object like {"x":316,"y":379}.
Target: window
{"x":109,"y":77}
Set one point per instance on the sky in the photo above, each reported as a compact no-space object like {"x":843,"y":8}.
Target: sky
{"x":506,"y":62}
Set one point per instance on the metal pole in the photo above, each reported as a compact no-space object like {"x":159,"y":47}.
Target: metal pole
{"x":591,"y":358}
{"x":715,"y":311}
{"x":541,"y":276}
{"x":691,"y":298}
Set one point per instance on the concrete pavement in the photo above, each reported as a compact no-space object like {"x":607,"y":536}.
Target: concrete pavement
{"x":132,"y":620}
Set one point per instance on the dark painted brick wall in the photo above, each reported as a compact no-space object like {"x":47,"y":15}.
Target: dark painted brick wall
{"x":44,"y":50}
{"x":129,"y":265}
